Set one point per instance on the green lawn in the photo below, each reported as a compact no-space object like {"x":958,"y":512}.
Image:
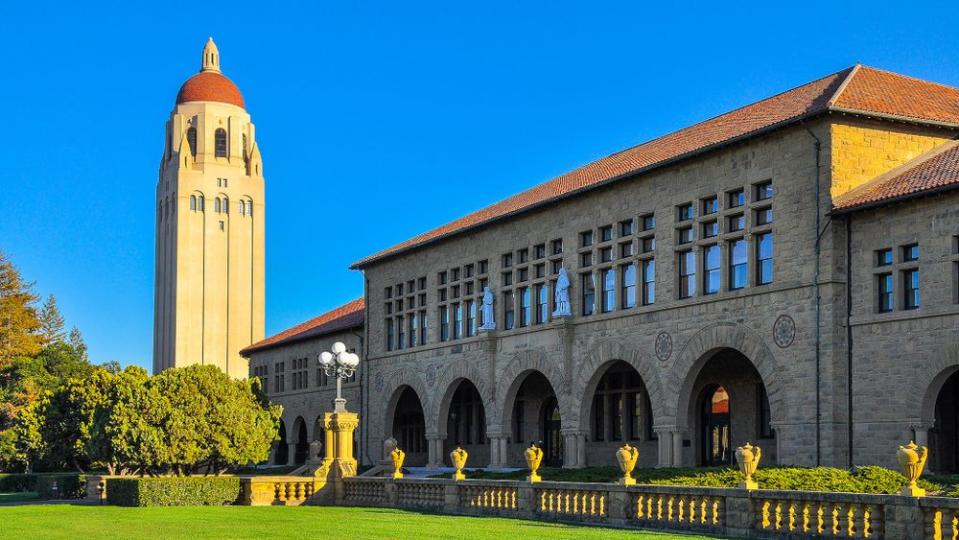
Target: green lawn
{"x":235,"y":522}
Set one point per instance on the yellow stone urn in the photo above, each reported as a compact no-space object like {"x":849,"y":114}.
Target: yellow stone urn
{"x":458,"y":457}
{"x":397,"y":456}
{"x":748,"y":459}
{"x":534,"y":457}
{"x":912,"y":459}
{"x":627,"y":456}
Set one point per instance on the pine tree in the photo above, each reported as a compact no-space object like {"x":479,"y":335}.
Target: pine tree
{"x":76,"y":341}
{"x":19,"y":323}
{"x":51,"y":321}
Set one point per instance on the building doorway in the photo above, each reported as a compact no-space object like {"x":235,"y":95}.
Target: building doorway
{"x":944,"y":437}
{"x":716,"y":424}
{"x":409,"y":427}
{"x":466,"y":423}
{"x":551,"y":436}
{"x":302,"y":448}
{"x":281,"y":450}
{"x":535,"y":418}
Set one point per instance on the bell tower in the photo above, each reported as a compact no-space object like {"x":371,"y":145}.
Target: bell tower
{"x":209,"y":291}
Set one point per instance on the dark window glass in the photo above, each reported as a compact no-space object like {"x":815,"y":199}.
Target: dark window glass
{"x":738,"y":264}
{"x":710,"y":205}
{"x":507,"y":278}
{"x":764,"y":216}
{"x":444,"y":324}
{"x":687,"y":274}
{"x":764,"y":259}
{"x":649,"y":244}
{"x":686,"y":235}
{"x":470,"y":318}
{"x":886,"y":299}
{"x":525,"y":306}
{"x":884,"y":257}
{"x":413,"y":330}
{"x":735,"y":223}
{"x":626,"y":249}
{"x":606,"y":233}
{"x":626,"y":228}
{"x":764,"y":191}
{"x":685,"y":212}
{"x":649,"y":222}
{"x":606,"y":254}
{"x":389,"y":334}
{"x":507,"y":260}
{"x":585,"y":259}
{"x":608,"y":278}
{"x":649,"y":282}
{"x":710,"y":229}
{"x":509,"y":313}
{"x":586,"y":238}
{"x":737,"y":198}
{"x":557,"y":246}
{"x":628,"y":278}
{"x":220,"y":142}
{"x":910,"y":252}
{"x":589,"y":294}
{"x":711,"y":269}
{"x":523,"y":255}
{"x":542,"y":303}
{"x":910,"y":289}
{"x":539,"y":251}
{"x":400,"y":334}
{"x":422,"y":327}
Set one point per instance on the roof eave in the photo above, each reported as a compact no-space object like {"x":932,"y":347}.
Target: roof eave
{"x":293,"y":339}
{"x":365,"y":263}
{"x":898,"y":199}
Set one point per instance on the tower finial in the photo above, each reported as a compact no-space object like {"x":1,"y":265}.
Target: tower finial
{"x":211,"y":57}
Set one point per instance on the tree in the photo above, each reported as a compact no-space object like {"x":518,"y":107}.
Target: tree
{"x":68,"y":419}
{"x":19,"y":323}
{"x":51,"y":321}
{"x":76,"y":341}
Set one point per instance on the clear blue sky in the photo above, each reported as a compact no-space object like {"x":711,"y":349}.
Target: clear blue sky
{"x":376,"y":121}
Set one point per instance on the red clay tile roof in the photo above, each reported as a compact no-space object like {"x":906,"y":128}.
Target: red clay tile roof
{"x":933,"y":171}
{"x":858,"y":89}
{"x":210,"y":86}
{"x":347,"y":316}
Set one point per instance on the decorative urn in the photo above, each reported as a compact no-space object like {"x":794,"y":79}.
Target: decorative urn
{"x":626,"y":457}
{"x":912,"y":460}
{"x":748,"y":459}
{"x":458,"y":457}
{"x":534,"y":457}
{"x":397,"y":456}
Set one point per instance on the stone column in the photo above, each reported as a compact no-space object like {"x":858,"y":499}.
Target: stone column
{"x":677,"y":436}
{"x":574,"y":449}
{"x":290,"y":453}
{"x":434,"y":447}
{"x":497,"y":450}
{"x":664,"y":441}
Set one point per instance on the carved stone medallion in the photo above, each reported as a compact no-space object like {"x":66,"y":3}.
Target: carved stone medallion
{"x":784,"y":331}
{"x":664,"y":346}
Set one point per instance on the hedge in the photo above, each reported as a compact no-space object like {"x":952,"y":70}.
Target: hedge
{"x":17,"y":482}
{"x":173,"y":491}
{"x":69,"y":486}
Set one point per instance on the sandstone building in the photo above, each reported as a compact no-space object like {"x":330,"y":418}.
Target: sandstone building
{"x":209,"y":292}
{"x":786,"y":274}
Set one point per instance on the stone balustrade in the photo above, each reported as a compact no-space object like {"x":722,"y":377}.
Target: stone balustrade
{"x":759,"y":513}
{"x":276,"y":490}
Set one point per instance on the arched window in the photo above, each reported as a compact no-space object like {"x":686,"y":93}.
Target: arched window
{"x":191,"y":139}
{"x":242,"y":207}
{"x":244,"y":146}
{"x":192,"y":202}
{"x":220,"y":142}
{"x":226,"y":205}
{"x":216,"y":205}
{"x":201,"y":203}
{"x":249,"y":207}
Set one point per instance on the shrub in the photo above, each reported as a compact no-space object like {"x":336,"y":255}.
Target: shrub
{"x":17,"y":482}
{"x":173,"y":491}
{"x":69,"y":486}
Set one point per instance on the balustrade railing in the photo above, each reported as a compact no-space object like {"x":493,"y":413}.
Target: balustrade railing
{"x":941,"y":516}
{"x":819,"y":515}
{"x":493,"y":496}
{"x":421,"y":492}
{"x":571,"y":501}
{"x":669,"y":507}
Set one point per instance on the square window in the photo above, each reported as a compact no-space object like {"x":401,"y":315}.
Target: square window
{"x":507,"y":260}
{"x":454,"y":291}
{"x":399,"y":290}
{"x":455,"y":274}
{"x":389,"y":308}
{"x":606,"y":233}
{"x":556,"y":266}
{"x":468,"y":271}
{"x":883,"y":257}
{"x":388,"y":292}
{"x":422,"y":284}
{"x":586,"y":238}
{"x":686,"y":235}
{"x":539,"y":270}
{"x":522,"y":274}
{"x":763,"y":216}
{"x":764,"y":191}
{"x":586,"y":259}
{"x":557,"y":246}
{"x":649,"y":222}
{"x":539,"y":251}
{"x":523,"y":255}
{"x":442,"y":278}
{"x":735,"y":223}
{"x":626,"y":227}
{"x":884,"y":286}
{"x":442,"y":295}
{"x":606,"y":254}
{"x":736,"y":198}
{"x":684,"y":212}
{"x":649,"y":244}
{"x":710,"y":205}
{"x":626,"y":249}
{"x":710,"y":229}
{"x":910,"y":252}
{"x":422,"y":299}
{"x":910,"y":289}
{"x":469,"y":288}
{"x":507,"y":278}
{"x":483,"y":266}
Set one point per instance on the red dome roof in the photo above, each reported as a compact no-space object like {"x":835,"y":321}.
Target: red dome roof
{"x":210,"y":86}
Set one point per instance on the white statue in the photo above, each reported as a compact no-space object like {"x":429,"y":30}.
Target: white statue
{"x":488,"y":322}
{"x":561,"y":295}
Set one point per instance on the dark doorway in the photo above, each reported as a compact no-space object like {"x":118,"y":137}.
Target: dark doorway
{"x":281,"y":454}
{"x":716,"y":426}
{"x":466,"y":423}
{"x":302,"y":448}
{"x":945,"y":434}
{"x":409,"y":427}
{"x":551,"y":436}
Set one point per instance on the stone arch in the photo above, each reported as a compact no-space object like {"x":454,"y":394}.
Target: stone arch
{"x":395,"y":383}
{"x":595,"y":364}
{"x":451,"y":379}
{"x":301,"y":440}
{"x":929,"y":382}
{"x":512,"y":377}
{"x":701,"y":347}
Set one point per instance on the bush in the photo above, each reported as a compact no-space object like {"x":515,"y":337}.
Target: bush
{"x":174,"y":491}
{"x":17,"y":482}
{"x":69,"y":486}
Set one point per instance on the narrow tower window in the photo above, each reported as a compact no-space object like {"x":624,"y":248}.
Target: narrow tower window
{"x":226,"y":205}
{"x":216,"y":205}
{"x":192,"y":202}
{"x":201,"y":203}
{"x":220,"y":142}
{"x":191,"y":139}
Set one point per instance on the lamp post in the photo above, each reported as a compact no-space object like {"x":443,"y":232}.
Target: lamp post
{"x":340,"y":364}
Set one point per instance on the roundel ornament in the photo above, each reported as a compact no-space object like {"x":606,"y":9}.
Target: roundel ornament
{"x":784,"y":331}
{"x":664,"y":346}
